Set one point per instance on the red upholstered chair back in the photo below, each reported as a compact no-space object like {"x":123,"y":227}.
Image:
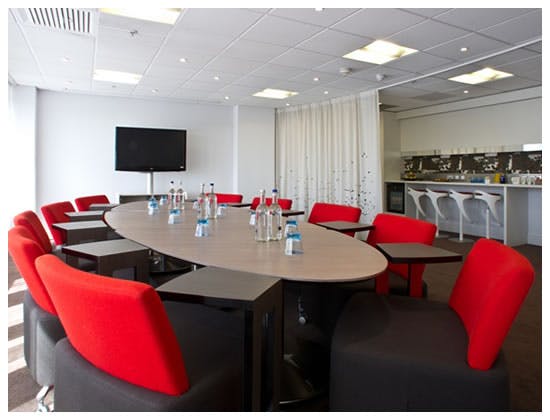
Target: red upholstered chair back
{"x":83,"y":203}
{"x":390,"y":228}
{"x":24,"y":250}
{"x":117,"y":325}
{"x":229,"y":198}
{"x":327,"y":212}
{"x":487,"y":296}
{"x":29,"y":219}
{"x":55,"y":213}
{"x":285,"y":203}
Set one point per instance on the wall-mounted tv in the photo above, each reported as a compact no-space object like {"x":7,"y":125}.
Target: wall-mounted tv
{"x":150,"y":149}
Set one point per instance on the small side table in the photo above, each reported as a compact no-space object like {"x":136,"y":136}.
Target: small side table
{"x":112,"y":255}
{"x":83,"y":216}
{"x":415,"y":253}
{"x":77,"y":232}
{"x":239,"y":204}
{"x":345,"y":227}
{"x":102,"y":206}
{"x":287,"y":213}
{"x":261,"y":299}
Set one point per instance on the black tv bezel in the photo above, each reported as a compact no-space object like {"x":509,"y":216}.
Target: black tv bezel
{"x":149,"y":168}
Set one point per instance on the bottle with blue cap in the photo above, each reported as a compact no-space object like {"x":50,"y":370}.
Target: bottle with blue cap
{"x":152,"y":206}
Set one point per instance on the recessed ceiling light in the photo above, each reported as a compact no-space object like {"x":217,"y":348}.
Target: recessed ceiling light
{"x":326,"y":92}
{"x":275,"y":93}
{"x":315,"y":79}
{"x":486,"y":74}
{"x":379,"y":52}
{"x":466,"y":91}
{"x":226,"y":98}
{"x":154,"y":90}
{"x":287,"y":104}
{"x":319,"y":9}
{"x":116,"y":76}
{"x":65,"y":59}
{"x":216,"y":77}
{"x":183,"y":60}
{"x":464,"y":49}
{"x":168,"y":16}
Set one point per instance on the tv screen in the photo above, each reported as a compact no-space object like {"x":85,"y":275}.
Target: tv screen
{"x":150,"y":149}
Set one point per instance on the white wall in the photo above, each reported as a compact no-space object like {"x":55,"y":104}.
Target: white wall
{"x":511,"y":123}
{"x":19,"y":154}
{"x":75,"y":145}
{"x":255,"y":150}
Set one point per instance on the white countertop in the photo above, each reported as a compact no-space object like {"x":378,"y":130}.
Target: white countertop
{"x":467,"y":184}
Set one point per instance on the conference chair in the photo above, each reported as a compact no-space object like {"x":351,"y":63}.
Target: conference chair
{"x":29,"y":219}
{"x":128,"y":351}
{"x":389,"y":228}
{"x":285,"y":203}
{"x":55,"y":213}
{"x":41,"y":326}
{"x":328,"y":212}
{"x":83,"y":203}
{"x":396,"y":353}
{"x":228,"y":198}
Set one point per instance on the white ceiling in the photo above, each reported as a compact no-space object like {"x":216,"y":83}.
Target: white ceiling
{"x":252,"y":49}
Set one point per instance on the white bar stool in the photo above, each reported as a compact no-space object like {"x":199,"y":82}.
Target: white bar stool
{"x":416,"y":194}
{"x":491,"y":200}
{"x":434,"y":196}
{"x":459,"y":197}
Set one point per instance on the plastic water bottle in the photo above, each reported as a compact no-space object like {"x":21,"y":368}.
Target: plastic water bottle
{"x":172,"y":195}
{"x":293,"y":245}
{"x":152,"y":206}
{"x":202,"y":228}
{"x":174,"y":216}
{"x":261,"y":219}
{"x":163,"y":200}
{"x":212,"y":203}
{"x":201,"y":204}
{"x":291,"y":227}
{"x":179,"y":196}
{"x":274,"y":218}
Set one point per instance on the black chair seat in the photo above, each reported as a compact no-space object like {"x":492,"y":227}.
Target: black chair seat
{"x":397,"y":353}
{"x":211,"y":343}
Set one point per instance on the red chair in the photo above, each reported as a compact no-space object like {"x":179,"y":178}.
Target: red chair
{"x":228,"y":198}
{"x":55,"y":213}
{"x":127,"y":351}
{"x":41,"y":326}
{"x":327,"y":212}
{"x":285,"y":203}
{"x":29,"y":219}
{"x":390,"y":228}
{"x":83,"y":203}
{"x":396,"y":353}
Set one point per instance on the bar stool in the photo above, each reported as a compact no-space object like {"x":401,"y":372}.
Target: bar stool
{"x":459,"y":197}
{"x":434,"y":197}
{"x":416,"y":194}
{"x":491,"y":200}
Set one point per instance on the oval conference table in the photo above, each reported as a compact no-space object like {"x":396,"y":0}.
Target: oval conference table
{"x":329,"y":257}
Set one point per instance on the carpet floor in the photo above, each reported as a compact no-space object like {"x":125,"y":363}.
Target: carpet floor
{"x":522,"y":348}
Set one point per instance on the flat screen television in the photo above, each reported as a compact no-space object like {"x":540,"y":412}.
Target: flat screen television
{"x":150,"y":149}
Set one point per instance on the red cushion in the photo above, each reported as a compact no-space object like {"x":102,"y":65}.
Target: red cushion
{"x":83,"y":203}
{"x":487,"y":295}
{"x":390,"y":228}
{"x":285,"y":203}
{"x":24,"y":250}
{"x":229,"y":198}
{"x":326,"y":212}
{"x":55,"y":213}
{"x":119,"y":326}
{"x":30,"y":220}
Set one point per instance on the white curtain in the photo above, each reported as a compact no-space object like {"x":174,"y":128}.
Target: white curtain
{"x":329,"y":152}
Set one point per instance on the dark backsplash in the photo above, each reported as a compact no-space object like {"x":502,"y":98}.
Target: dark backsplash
{"x":505,"y":162}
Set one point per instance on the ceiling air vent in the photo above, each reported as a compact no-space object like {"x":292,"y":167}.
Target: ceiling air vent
{"x":78,"y":21}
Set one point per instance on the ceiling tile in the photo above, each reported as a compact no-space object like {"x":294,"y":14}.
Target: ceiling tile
{"x":170,"y":56}
{"x":426,"y":35}
{"x":326,"y":17}
{"x":228,"y":22}
{"x":201,"y":85}
{"x":257,"y":81}
{"x":334,"y":43}
{"x":184,"y":39}
{"x":233,"y":65}
{"x":127,"y":24}
{"x":112,"y":88}
{"x":252,"y":50}
{"x":153,"y":90}
{"x":537,"y":46}
{"x":292,"y":85}
{"x":161,"y":82}
{"x":344,"y":63}
{"x":426,"y":12}
{"x":479,"y":18}
{"x":514,"y":31}
{"x":209,"y":76}
{"x":349,"y":83}
{"x":278,"y":72}
{"x":507,"y":58}
{"x":418,"y":62}
{"x":528,"y":69}
{"x":433,"y":84}
{"x":405,"y":92}
{"x":308,"y":76}
{"x":302,"y":59}
{"x":511,"y":83}
{"x":279,"y":31}
{"x":378,"y":23}
{"x":476,"y":44}
{"x":117,"y":64}
{"x":391,"y":75}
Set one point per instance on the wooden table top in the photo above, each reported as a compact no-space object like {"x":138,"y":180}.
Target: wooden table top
{"x":103,"y":248}
{"x":344,"y":227}
{"x":85,"y":215}
{"x":102,"y":206}
{"x":328,"y":256}
{"x":89,"y":224}
{"x":413,"y":252}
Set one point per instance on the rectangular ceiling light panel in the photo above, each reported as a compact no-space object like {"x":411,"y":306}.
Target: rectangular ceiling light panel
{"x":481,"y":76}
{"x":167,"y":16}
{"x":379,"y":52}
{"x":275,"y":93}
{"x":116,"y":77}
